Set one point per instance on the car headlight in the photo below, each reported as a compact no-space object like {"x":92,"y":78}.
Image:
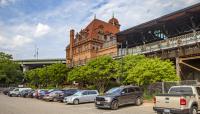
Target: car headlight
{"x":108,"y":99}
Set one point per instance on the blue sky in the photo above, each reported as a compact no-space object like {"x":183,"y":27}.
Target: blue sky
{"x":45,"y":24}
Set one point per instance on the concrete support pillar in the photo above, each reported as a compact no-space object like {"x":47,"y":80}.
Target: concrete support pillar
{"x":25,"y":68}
{"x":178,"y":67}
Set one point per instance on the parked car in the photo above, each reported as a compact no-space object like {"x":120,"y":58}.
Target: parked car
{"x":36,"y":93}
{"x":30,"y":94}
{"x":82,"y":96}
{"x":119,"y":96}
{"x":52,"y":95}
{"x":39,"y":93}
{"x":65,"y":93}
{"x":24,"y":93}
{"x":42,"y":93}
{"x":179,"y":100}
{"x":6,"y":91}
{"x":16,"y":92}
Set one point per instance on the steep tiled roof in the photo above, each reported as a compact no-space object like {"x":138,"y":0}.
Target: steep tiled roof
{"x":95,"y":24}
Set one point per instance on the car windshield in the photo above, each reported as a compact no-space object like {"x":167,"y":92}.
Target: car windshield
{"x":78,"y":93}
{"x":116,"y":90}
{"x":182,"y":90}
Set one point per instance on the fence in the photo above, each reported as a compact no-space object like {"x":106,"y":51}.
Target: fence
{"x":163,"y":87}
{"x":169,"y":43}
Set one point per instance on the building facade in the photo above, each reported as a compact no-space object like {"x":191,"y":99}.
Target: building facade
{"x":175,"y":36}
{"x":97,"y":39}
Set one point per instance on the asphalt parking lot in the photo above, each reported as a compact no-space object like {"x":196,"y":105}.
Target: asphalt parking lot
{"x":17,"y":105}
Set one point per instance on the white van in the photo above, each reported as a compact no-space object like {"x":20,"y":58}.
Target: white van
{"x":17,"y":91}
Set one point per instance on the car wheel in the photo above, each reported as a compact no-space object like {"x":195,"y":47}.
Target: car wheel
{"x":193,"y":110}
{"x":76,"y":101}
{"x":55,"y":100}
{"x":114,"y":105}
{"x":139,"y":101}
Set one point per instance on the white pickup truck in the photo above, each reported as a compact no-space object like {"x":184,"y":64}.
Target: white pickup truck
{"x":178,"y":100}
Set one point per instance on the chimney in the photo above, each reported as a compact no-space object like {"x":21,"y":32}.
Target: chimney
{"x":71,"y":43}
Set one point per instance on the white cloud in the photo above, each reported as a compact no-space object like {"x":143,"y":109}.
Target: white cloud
{"x":136,"y":12}
{"x":15,"y":42}
{"x":19,"y":41}
{"x":6,"y":2}
{"x":41,"y":30}
{"x":20,"y":36}
{"x":3,"y":41}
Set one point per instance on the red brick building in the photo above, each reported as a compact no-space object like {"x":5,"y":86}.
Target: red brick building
{"x":97,"y":39}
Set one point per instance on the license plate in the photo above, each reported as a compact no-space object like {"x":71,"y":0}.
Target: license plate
{"x":98,"y":102}
{"x":166,"y":110}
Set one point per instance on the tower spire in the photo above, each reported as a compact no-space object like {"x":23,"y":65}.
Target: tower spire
{"x":94,"y":16}
{"x":113,"y":16}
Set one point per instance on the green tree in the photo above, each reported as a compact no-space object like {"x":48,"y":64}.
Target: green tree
{"x":79,"y":74}
{"x":97,"y":72}
{"x":5,"y":56}
{"x":123,"y":66}
{"x":10,"y":72}
{"x":100,"y":71}
{"x":52,"y":75}
{"x":57,"y":73}
{"x":32,"y":77}
{"x":151,"y":70}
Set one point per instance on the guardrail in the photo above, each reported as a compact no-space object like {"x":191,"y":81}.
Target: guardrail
{"x":169,"y":43}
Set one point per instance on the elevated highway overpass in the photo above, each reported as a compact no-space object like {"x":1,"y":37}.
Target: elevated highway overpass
{"x":27,"y":64}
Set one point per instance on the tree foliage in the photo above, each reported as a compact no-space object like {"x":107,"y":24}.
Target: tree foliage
{"x":151,"y":70}
{"x":98,"y":72}
{"x":57,"y":73}
{"x":133,"y":69}
{"x":52,"y":75}
{"x":79,"y":74}
{"x":125,"y":64}
{"x":10,"y":72}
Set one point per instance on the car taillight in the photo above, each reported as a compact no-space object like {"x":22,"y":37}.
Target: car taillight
{"x":154,"y":100}
{"x":182,"y":101}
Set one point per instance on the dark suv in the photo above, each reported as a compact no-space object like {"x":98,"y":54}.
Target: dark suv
{"x":119,"y":96}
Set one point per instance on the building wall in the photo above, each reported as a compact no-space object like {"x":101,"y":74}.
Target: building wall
{"x":97,"y":39}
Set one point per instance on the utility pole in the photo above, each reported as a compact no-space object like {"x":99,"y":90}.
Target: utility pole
{"x":36,"y":52}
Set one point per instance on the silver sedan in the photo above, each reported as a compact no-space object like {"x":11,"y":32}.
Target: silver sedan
{"x":82,"y":97}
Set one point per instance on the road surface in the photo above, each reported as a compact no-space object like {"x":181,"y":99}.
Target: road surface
{"x":17,"y":105}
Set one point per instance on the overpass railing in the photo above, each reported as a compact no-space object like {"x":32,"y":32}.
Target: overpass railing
{"x":182,"y":40}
